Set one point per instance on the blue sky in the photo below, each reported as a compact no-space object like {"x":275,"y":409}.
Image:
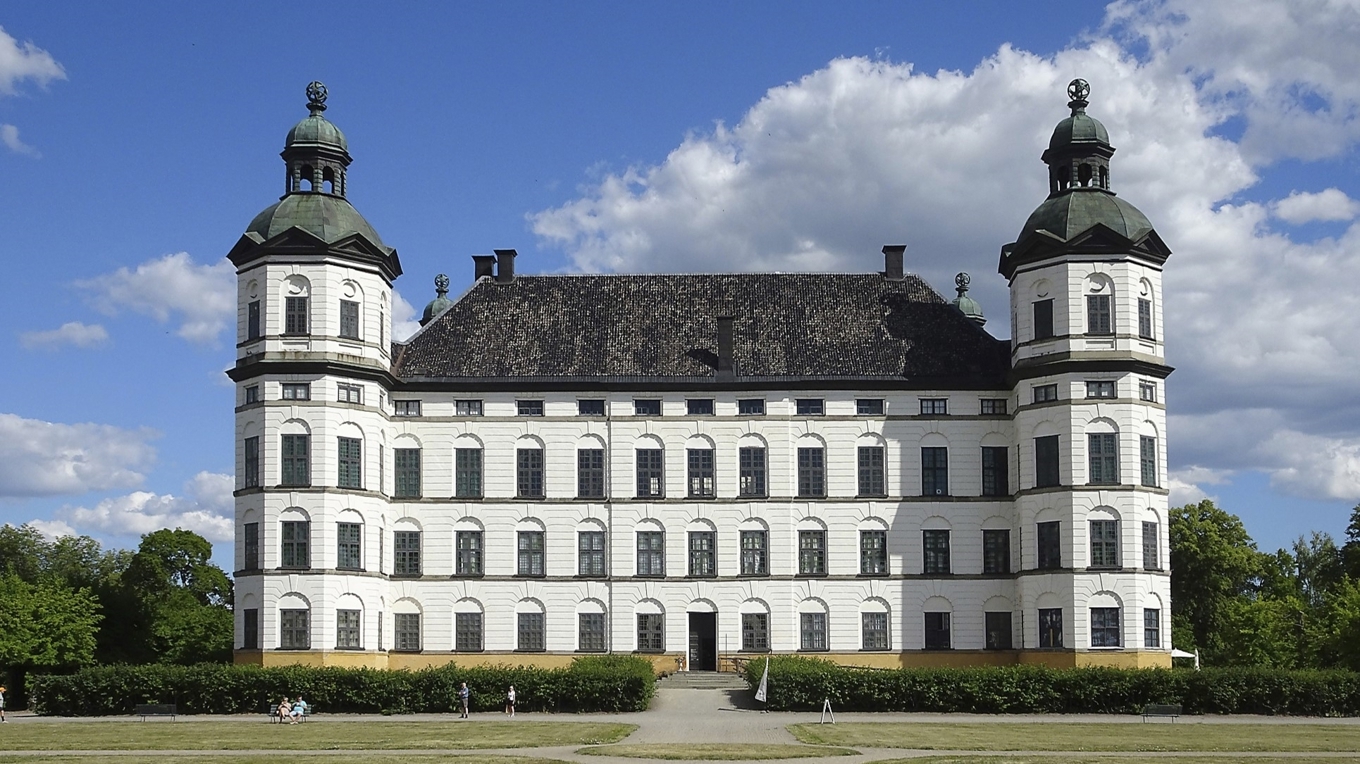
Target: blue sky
{"x":136,"y":144}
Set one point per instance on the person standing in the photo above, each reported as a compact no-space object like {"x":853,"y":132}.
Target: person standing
{"x":2,"y":704}
{"x":510,"y":701}
{"x":463,"y":695}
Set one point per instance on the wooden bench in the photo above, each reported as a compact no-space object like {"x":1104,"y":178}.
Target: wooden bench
{"x":1158,"y":709}
{"x":274,"y":713}
{"x":154,"y":709}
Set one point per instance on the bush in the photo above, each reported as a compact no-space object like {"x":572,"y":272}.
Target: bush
{"x":800,"y":684}
{"x":597,"y":683}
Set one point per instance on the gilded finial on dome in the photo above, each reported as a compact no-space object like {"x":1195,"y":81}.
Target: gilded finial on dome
{"x":961,"y":283}
{"x":316,"y":97}
{"x":967,"y":305}
{"x":1077,"y":90}
{"x":441,"y":285}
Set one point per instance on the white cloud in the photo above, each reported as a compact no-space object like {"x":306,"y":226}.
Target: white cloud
{"x":70,"y":333}
{"x":1303,"y":207}
{"x":52,"y":529}
{"x":25,"y":61}
{"x":405,"y":319}
{"x":200,"y":298}
{"x":9,"y":135}
{"x":206,"y":508}
{"x":40,"y":458}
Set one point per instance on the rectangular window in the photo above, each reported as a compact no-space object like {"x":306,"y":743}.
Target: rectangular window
{"x":934,"y":471}
{"x":295,"y":315}
{"x":937,"y":631}
{"x":467,"y":477}
{"x":531,"y":407}
{"x":468,"y":561}
{"x":755,"y":632}
{"x":812,"y":631}
{"x":1100,"y":389}
{"x":530,"y":554}
{"x":252,"y":394}
{"x":1043,"y":319}
{"x":751,"y":407}
{"x":874,"y":631}
{"x":651,"y":473}
{"x":406,"y":408}
{"x":351,"y":463}
{"x":1147,"y":458}
{"x":1098,"y":318}
{"x":531,"y":632}
{"x":529,"y":473}
{"x":993,"y":405}
{"x":467,"y":408}
{"x":295,"y":631}
{"x":252,"y":462}
{"x":349,"y":393}
{"x":251,"y":546}
{"x":252,"y":320}
{"x":467,"y":632}
{"x":408,"y":475}
{"x":1147,"y":391}
{"x":935,"y":550}
{"x":700,"y":462}
{"x":406,"y":632}
{"x":1049,"y":545}
{"x":872,"y":481}
{"x":755,"y":559}
{"x":811,"y":553}
{"x":1152,"y":627}
{"x":406,"y":553}
{"x":349,"y":319}
{"x":869,"y":406}
{"x":996,"y":551}
{"x":1104,"y":543}
{"x":1145,"y":318}
{"x":590,"y":637}
{"x":297,"y":544}
{"x":996,"y":479}
{"x":811,"y":472}
{"x":1046,"y":461}
{"x":651,"y":632}
{"x":590,"y":473}
{"x":1105,"y":627}
{"x":347,"y":630}
{"x":348,"y":546}
{"x":651,"y":553}
{"x":1103,"y":453}
{"x":647,"y":407}
{"x":590,"y":553}
{"x":699,"y":406}
{"x":751,"y":466}
{"x":703,"y":556}
{"x":1152,"y":545}
{"x":250,"y":627}
{"x":934,"y":406}
{"x":1045,"y":393}
{"x":297,"y":460}
{"x":873,"y":553}
{"x":297,"y":391}
{"x":590,"y":407}
{"x":810,"y":407}
{"x":1051,"y":627}
{"x":998,"y":628}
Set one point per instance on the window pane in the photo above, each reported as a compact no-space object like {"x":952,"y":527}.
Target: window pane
{"x":1104,"y":544}
{"x":1147,"y":447}
{"x":591,"y":637}
{"x":871,"y":473}
{"x":1098,"y":320}
{"x":590,"y":473}
{"x":467,"y":408}
{"x":755,"y":631}
{"x":751,"y":465}
{"x":811,"y":553}
{"x":407,"y":632}
{"x":651,"y":553}
{"x":700,"y":472}
{"x":699,"y":406}
{"x":530,"y":407}
{"x":650,"y":473}
{"x":469,"y":553}
{"x":348,"y":545}
{"x":347,"y":631}
{"x":1043,"y":319}
{"x":295,"y":630}
{"x":813,"y":631}
{"x":995,"y":471}
{"x":811,"y":472}
{"x":1152,"y":559}
{"x":869,"y":406}
{"x":647,"y":407}
{"x":590,"y":407}
{"x":998,"y":628}
{"x":295,"y":315}
{"x":937,"y":631}
{"x":1050,"y":546}
{"x":702,"y":553}
{"x":531,"y":632}
{"x":996,"y":551}
{"x":468,"y":473}
{"x":810,"y":407}
{"x":934,"y":406}
{"x":935,"y":544}
{"x":875,"y":631}
{"x":651,"y":628}
{"x":252,"y":462}
{"x":934,"y":471}
{"x":751,"y":406}
{"x":250,"y":626}
{"x":296,"y":550}
{"x":1105,"y":627}
{"x":408,"y":481}
{"x":530,"y":554}
{"x":1145,"y":318}
{"x":1046,"y":461}
{"x":251,"y":544}
{"x":349,"y":319}
{"x":529,"y":473}
{"x":590,"y":553}
{"x":754,"y":557}
{"x":253,"y":320}
{"x":351,"y":463}
{"x":406,"y":553}
{"x":1152,"y":627}
{"x":1050,"y":627}
{"x":296,"y":465}
{"x":873,"y":553}
{"x":467,"y":632}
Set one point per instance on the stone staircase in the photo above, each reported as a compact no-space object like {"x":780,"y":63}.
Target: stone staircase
{"x":701,"y":680}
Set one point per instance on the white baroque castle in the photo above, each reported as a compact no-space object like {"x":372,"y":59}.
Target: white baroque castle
{"x":701,"y":467}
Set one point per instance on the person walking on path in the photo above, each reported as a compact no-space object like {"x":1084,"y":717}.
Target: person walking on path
{"x":2,"y":703}
{"x":510,"y":702}
{"x":463,"y":699}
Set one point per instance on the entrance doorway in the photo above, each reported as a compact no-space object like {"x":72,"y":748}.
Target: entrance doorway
{"x":703,"y":641}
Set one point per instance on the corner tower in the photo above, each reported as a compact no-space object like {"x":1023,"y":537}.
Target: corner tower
{"x":1088,"y":368}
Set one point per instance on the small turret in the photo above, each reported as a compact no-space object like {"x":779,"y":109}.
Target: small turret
{"x":967,"y":305}
{"x":441,"y":301}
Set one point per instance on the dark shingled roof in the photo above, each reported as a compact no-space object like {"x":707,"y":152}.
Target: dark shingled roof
{"x":787,"y":325}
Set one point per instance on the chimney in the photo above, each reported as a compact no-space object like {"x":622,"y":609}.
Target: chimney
{"x":726,"y":368}
{"x":505,"y":265}
{"x":892,"y":261}
{"x":483,"y":265}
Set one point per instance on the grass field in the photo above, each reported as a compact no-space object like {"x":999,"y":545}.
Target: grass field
{"x":273,"y":758}
{"x":1058,"y":736}
{"x":716,"y":751}
{"x":1130,"y":759}
{"x":313,"y":736}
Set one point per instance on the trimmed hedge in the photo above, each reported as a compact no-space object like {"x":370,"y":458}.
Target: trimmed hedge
{"x":595,"y":683}
{"x":800,"y":684}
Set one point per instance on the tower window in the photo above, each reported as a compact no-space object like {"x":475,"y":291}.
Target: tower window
{"x":1043,"y":319}
{"x":295,"y":316}
{"x":1098,"y":317}
{"x":328,"y":180}
{"x":253,"y":320}
{"x":1084,"y":175}
{"x":1145,"y":318}
{"x":349,"y":319}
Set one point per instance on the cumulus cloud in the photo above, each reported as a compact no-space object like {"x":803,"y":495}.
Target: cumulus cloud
{"x":40,"y":458}
{"x":9,"y":135}
{"x":72,"y":333}
{"x":25,"y":61}
{"x":1304,"y":207}
{"x":405,"y":318}
{"x":52,"y":529}
{"x":205,"y":508}
{"x":201,"y":299}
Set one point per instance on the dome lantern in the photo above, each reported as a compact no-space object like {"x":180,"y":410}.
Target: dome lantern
{"x":316,"y":151}
{"x":1078,"y":155}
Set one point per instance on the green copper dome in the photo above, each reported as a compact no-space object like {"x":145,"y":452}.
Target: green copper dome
{"x":1078,"y":128}
{"x":316,"y":130}
{"x":1073,"y":212}
{"x":328,"y":217}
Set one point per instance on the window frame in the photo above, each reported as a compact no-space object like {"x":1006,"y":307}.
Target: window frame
{"x":296,"y":461}
{"x":872,"y":472}
{"x":406,"y":407}
{"x":406,"y":632}
{"x":250,"y":453}
{"x":750,"y":407}
{"x":469,"y":554}
{"x":465,"y":626}
{"x":295,"y":391}
{"x":295,"y":544}
{"x":467,"y":482}
{"x":937,"y":635}
{"x":992,"y":630}
{"x":869,"y":407}
{"x":703,"y":554}
{"x":1145,"y":324}
{"x":700,"y":473}
{"x":699,"y":407}
{"x":349,"y":471}
{"x":812,"y":633}
{"x":1043,"y":319}
{"x":407,"y":473}
{"x":297,"y":319}
{"x":250,"y":628}
{"x":591,"y":551}
{"x":812,"y":472}
{"x":875,"y":636}
{"x":349,"y":546}
{"x":935,"y":552}
{"x":1099,"y":315}
{"x":1048,"y":545}
{"x":934,"y":406}
{"x":529,"y":407}
{"x":1047,"y":462}
{"x":347,"y":393}
{"x":349,"y":320}
{"x":996,"y":551}
{"x":1045,"y":393}
{"x":651,"y":555}
{"x":812,"y":553}
{"x":651,"y":632}
{"x":590,"y":473}
{"x":591,"y":633}
{"x":467,"y":407}
{"x":1102,"y":454}
{"x":755,"y":632}
{"x":407,"y":559}
{"x":1100,"y":389}
{"x":997,"y":406}
{"x":531,"y":630}
{"x":751,"y":477}
{"x":349,"y":632}
{"x":809,"y":406}
{"x":531,"y":554}
{"x":1152,"y":628}
{"x":996,"y":477}
{"x":529,"y":474}
{"x":935,"y":470}
{"x":650,"y":470}
{"x":873,"y":552}
{"x":646,"y":407}
{"x":1152,"y":546}
{"x":1104,"y":544}
{"x":1147,"y":391}
{"x":755,"y":558}
{"x":1148,"y":462}
{"x":590,"y":407}
{"x":1050,"y":638}
{"x":296,"y":635}
{"x":250,"y":546}
{"x":253,"y":324}
{"x":1106,"y":627}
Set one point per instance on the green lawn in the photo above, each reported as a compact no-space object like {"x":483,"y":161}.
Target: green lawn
{"x":1130,"y":759}
{"x":716,"y":751}
{"x":313,"y":735}
{"x":1058,"y":736}
{"x":274,"y":759}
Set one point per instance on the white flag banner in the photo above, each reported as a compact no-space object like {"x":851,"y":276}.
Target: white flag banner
{"x":764,"y":682}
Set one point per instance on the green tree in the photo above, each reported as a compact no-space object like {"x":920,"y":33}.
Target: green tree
{"x":1350,"y":552}
{"x":1214,"y":564}
{"x":1340,"y":628}
{"x":43,"y":625}
{"x":182,"y":611}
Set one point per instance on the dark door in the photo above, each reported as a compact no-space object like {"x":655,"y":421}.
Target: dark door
{"x":703,"y":641}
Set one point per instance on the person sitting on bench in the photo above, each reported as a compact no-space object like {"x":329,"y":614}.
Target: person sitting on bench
{"x":284,"y":709}
{"x":299,"y":710}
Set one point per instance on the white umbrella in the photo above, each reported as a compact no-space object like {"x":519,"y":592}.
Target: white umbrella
{"x":1183,"y":654}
